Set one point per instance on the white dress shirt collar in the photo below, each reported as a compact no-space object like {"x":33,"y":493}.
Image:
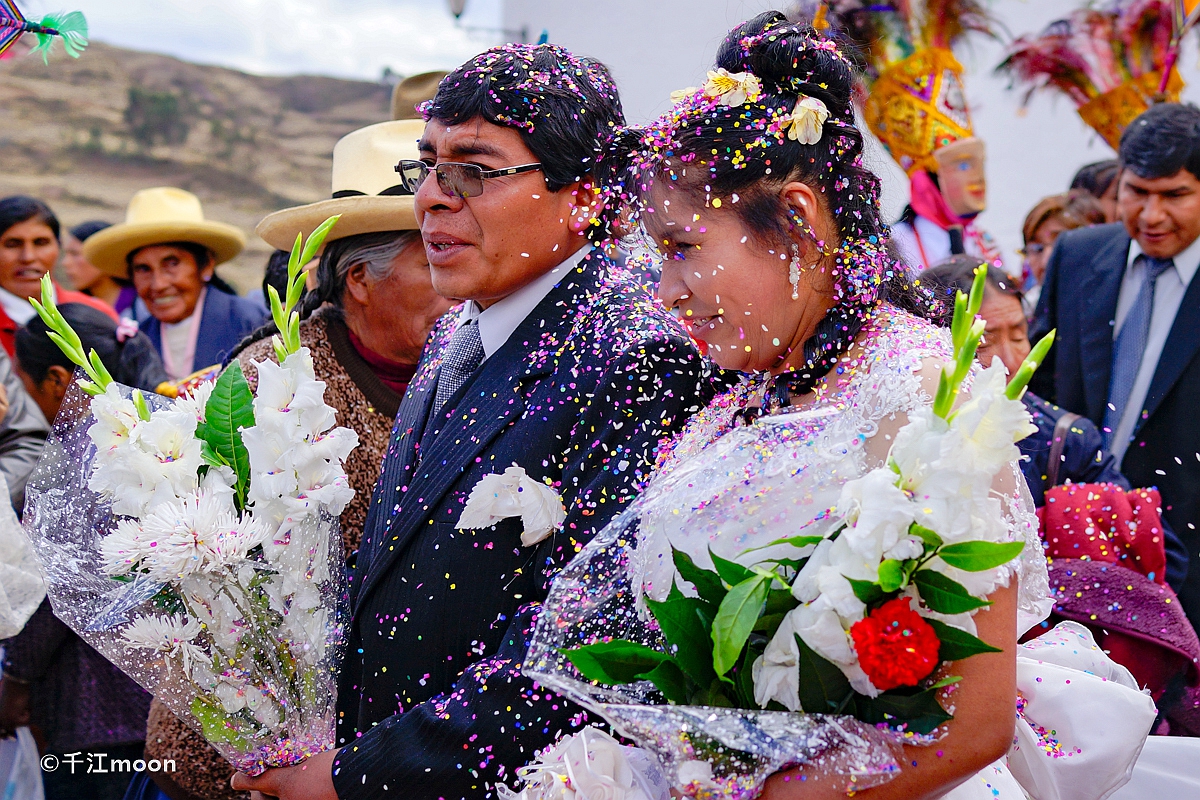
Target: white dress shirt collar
{"x":498,"y":321}
{"x":18,"y":309}
{"x":1186,"y":262}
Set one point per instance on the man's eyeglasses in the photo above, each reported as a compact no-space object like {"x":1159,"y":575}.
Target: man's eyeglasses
{"x":458,"y":180}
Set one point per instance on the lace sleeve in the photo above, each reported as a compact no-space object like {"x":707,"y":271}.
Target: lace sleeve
{"x":1033,"y":580}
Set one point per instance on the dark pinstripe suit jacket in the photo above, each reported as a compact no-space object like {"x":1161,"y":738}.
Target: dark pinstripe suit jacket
{"x":432,"y":704}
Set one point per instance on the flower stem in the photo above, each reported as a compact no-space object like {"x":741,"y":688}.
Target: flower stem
{"x":283,"y":311}
{"x":63,"y":335}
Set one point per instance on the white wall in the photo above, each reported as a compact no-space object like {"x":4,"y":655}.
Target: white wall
{"x":656,"y":46}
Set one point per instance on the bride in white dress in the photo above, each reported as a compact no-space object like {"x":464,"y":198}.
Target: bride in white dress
{"x":774,"y":253}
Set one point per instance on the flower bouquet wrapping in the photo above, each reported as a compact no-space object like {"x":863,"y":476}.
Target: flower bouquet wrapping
{"x":825,"y":648}
{"x":194,"y":541}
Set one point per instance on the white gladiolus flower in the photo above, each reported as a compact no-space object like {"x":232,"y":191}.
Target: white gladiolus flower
{"x":589,"y":765}
{"x":514,"y":494}
{"x":195,"y":402}
{"x":115,"y":419}
{"x":818,"y":624}
{"x":776,"y":672}
{"x":173,"y":637}
{"x":877,"y":513}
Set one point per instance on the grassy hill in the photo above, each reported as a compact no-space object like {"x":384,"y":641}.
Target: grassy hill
{"x":85,"y":134}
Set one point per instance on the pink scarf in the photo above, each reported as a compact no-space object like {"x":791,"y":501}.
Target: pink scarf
{"x":928,"y":201}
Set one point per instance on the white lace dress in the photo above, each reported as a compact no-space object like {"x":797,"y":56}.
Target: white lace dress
{"x":1081,"y":720}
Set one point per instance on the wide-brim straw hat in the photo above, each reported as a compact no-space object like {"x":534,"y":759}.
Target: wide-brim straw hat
{"x":366,"y":188}
{"x":158,"y":216}
{"x":414,"y":90}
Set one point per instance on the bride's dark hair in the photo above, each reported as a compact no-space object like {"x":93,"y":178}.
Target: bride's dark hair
{"x":743,"y":151}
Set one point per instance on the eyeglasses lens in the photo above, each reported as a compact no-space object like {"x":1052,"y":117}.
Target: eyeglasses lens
{"x":460,"y":180}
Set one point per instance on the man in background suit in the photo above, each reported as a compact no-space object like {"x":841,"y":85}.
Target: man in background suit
{"x":1126,"y":304}
{"x":561,"y":363}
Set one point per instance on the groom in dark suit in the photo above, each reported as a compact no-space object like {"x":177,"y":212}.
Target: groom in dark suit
{"x":1126,"y":304}
{"x":561,"y":363}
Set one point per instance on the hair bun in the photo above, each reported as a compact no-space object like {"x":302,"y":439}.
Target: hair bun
{"x":788,"y":60}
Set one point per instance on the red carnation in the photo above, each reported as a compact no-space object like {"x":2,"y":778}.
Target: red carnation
{"x":895,"y":646}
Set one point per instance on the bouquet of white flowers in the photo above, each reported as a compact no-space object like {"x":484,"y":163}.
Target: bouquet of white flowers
{"x":824,"y":647}
{"x":194,"y":541}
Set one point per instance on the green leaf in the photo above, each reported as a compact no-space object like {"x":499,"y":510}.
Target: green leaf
{"x":735,"y":620}
{"x":978,"y":556}
{"x":949,"y":680}
{"x":211,"y":456}
{"x":730,"y":571}
{"x":929,"y":537}
{"x":920,"y":711}
{"x":944,"y":595}
{"x":714,"y":695}
{"x":794,"y":541}
{"x":957,"y":644}
{"x":823,"y":686}
{"x":670,"y":681}
{"x":230,"y":408}
{"x":780,"y":601}
{"x":217,"y":725}
{"x":743,"y":679}
{"x":866,"y":591}
{"x":891,"y":575}
{"x":615,"y":662}
{"x":708,"y":584}
{"x":682,"y":625}
{"x":767,"y":624}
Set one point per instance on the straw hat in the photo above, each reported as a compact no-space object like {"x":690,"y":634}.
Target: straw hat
{"x":158,"y":216}
{"x":413,"y":90}
{"x":366,"y":188}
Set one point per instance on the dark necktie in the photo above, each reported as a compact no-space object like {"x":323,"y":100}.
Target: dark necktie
{"x":463,"y":355}
{"x":1130,"y":345}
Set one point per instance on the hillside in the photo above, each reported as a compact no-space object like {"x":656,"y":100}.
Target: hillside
{"x":85,"y":134}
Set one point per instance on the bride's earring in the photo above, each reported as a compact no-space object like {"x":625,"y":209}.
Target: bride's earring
{"x":794,"y":272}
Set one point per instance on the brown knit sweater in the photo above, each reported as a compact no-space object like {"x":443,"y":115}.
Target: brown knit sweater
{"x":363,"y":403}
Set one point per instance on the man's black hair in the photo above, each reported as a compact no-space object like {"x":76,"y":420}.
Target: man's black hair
{"x":1162,"y":141}
{"x":565,"y":107}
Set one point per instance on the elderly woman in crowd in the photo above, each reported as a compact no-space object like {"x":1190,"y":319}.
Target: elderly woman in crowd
{"x":365,"y":323}
{"x":1049,"y":218}
{"x":29,"y":248}
{"x":169,"y":251}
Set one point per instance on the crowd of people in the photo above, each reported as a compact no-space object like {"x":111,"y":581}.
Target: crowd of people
{"x":517,"y":278}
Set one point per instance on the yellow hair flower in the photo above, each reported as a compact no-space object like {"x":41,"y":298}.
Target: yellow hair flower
{"x":683,"y":94}
{"x":807,"y":120}
{"x":733,"y":89}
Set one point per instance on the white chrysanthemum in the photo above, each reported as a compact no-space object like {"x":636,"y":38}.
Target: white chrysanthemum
{"x":173,"y":637}
{"x":124,"y":548}
{"x":198,"y":534}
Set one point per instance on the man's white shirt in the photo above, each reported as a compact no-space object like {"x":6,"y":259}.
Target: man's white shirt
{"x":1168,"y":295}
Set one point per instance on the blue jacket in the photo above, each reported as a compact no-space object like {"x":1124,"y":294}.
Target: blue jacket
{"x":1079,"y":299}
{"x":431,"y":701}
{"x":225,"y":321}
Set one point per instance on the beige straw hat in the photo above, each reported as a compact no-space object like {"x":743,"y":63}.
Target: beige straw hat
{"x":412,"y":91}
{"x":158,"y":216}
{"x":366,"y":188}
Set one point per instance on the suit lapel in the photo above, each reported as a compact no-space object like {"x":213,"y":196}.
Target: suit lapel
{"x":488,"y":404}
{"x":1181,"y":345}
{"x":1098,"y":308}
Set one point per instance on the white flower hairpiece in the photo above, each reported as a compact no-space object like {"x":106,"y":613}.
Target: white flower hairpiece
{"x":732,"y":89}
{"x":514,"y":494}
{"x":807,"y":120}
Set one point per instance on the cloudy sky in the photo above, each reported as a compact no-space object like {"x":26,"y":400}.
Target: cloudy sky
{"x":345,"y":38}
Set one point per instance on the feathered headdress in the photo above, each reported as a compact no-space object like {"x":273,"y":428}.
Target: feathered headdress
{"x":914,"y":97}
{"x":71,"y":28}
{"x":1113,"y":63}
